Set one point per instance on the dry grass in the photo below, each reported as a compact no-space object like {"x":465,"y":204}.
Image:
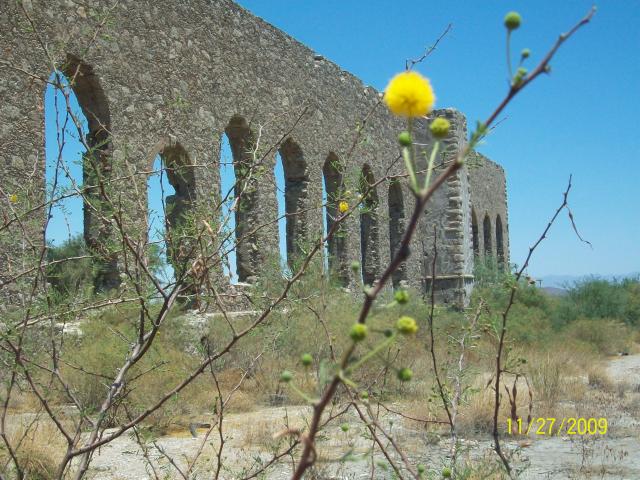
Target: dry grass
{"x":38,"y":445}
{"x":598,"y":378}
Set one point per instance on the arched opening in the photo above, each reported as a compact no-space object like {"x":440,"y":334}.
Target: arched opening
{"x":78,"y":124}
{"x":170,"y":196}
{"x":474,"y":232}
{"x":396,"y":228}
{"x":370,"y":258}
{"x":64,"y":152}
{"x":228,"y":187}
{"x":333,"y":189}
{"x":96,"y":168}
{"x":500,"y":243}
{"x":486,"y":227}
{"x":296,"y":183}
{"x":241,"y":142}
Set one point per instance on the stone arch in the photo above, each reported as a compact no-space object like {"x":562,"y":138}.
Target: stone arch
{"x":474,"y":232}
{"x":92,"y":100}
{"x":334,"y":189}
{"x":96,"y":165}
{"x":369,"y":248}
{"x":241,"y":141}
{"x":500,"y":243}
{"x":396,"y":228}
{"x":296,"y":184}
{"x":486,"y":230}
{"x":173,"y":161}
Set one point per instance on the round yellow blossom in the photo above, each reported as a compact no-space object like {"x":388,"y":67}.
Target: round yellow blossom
{"x":13,"y":198}
{"x":407,"y":325}
{"x":343,"y":206}
{"x":409,"y":94}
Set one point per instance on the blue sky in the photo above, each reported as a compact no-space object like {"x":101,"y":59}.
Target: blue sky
{"x":581,"y":119}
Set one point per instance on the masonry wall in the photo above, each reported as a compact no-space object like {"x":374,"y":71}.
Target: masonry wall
{"x":488,"y":186}
{"x":171,"y":78}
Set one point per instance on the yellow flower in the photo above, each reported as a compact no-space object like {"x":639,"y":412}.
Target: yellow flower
{"x":13,"y":198}
{"x":343,"y":206}
{"x":409,"y":94}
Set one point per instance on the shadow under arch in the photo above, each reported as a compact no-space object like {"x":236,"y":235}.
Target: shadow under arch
{"x":396,"y":228}
{"x":176,"y":163}
{"x":332,"y":173}
{"x":296,"y":191}
{"x":370,"y":257}
{"x":500,"y":243}
{"x":486,"y":231}
{"x":475,"y":232}
{"x":242,"y":143}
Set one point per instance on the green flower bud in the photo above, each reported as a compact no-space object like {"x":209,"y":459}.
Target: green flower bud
{"x":525,"y":53}
{"x":344,"y":427}
{"x":355,"y":266}
{"x":512,"y":20}
{"x":401,"y":296}
{"x":446,"y":472}
{"x":405,"y":374}
{"x":404,"y":139}
{"x":286,"y":376}
{"x":306,"y":359}
{"x":519,"y":76}
{"x":407,"y":325}
{"x":440,"y":127}
{"x":358,"y":332}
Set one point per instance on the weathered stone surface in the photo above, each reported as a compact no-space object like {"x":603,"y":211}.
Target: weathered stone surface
{"x":170,"y":78}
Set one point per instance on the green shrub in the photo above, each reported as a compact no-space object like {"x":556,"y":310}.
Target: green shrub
{"x":599,"y":298}
{"x":70,"y":277}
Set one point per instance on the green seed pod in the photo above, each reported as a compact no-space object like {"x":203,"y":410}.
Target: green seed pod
{"x":407,"y":325}
{"x":387,"y":332}
{"x":401,"y":296}
{"x":344,"y":427}
{"x":404,"y":139}
{"x":405,"y":374}
{"x":358,"y":332}
{"x":364,"y":395}
{"x":306,"y":359}
{"x":446,"y":472}
{"x":440,"y":127}
{"x":286,"y":376}
{"x":512,"y":20}
{"x":355,"y":266}
{"x":421,"y":469}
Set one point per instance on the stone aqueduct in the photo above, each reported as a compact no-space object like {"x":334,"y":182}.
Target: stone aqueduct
{"x":171,"y":77}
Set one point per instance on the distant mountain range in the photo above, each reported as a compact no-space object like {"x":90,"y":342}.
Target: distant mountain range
{"x":562,"y":282}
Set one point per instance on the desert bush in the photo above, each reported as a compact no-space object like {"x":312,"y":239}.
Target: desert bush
{"x":607,"y":336}
{"x":600,"y":298}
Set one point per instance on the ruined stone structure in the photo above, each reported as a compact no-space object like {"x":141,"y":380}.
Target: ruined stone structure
{"x":170,"y":78}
